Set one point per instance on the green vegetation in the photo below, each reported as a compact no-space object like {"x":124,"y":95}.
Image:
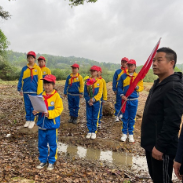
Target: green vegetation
{"x":60,"y":66}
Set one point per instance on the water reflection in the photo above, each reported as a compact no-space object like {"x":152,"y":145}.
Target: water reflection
{"x":118,"y":159}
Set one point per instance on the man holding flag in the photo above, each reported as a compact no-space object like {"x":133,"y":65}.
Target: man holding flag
{"x":162,"y":116}
{"x":129,"y":115}
{"x":116,"y":78}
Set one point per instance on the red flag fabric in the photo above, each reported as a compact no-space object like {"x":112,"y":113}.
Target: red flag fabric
{"x":140,"y":75}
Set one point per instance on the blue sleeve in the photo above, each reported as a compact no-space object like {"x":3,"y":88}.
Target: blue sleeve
{"x":66,"y":86}
{"x":120,"y":86}
{"x":19,"y":87}
{"x":179,"y":155}
{"x":114,"y":83}
{"x":86,"y":96}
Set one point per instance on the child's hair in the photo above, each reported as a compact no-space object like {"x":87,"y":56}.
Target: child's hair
{"x":44,"y":82}
{"x":30,"y":56}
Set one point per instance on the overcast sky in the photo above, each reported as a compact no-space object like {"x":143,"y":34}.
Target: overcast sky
{"x":104,"y":31}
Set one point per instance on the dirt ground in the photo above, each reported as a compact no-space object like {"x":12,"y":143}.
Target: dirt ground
{"x":19,"y":152}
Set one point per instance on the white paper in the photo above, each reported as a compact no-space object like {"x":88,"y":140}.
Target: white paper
{"x":38,"y":103}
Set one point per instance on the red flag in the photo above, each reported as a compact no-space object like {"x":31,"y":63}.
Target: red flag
{"x":140,"y":75}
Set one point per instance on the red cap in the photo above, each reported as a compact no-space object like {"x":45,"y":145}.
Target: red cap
{"x":50,"y":78}
{"x":132,"y":61}
{"x":32,"y":53}
{"x":100,"y":69}
{"x":41,"y":58}
{"x":94,"y":68}
{"x":75,"y":65}
{"x":125,"y":59}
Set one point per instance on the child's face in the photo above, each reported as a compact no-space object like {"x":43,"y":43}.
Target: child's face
{"x":31,"y":59}
{"x":93,"y":73}
{"x":124,"y":63}
{"x":131,"y":68}
{"x":75,"y":70}
{"x":41,"y":63}
{"x":48,"y":87}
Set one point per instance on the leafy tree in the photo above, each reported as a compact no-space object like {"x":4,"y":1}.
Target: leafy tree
{"x":4,"y":14}
{"x":3,"y":43}
{"x":81,"y":2}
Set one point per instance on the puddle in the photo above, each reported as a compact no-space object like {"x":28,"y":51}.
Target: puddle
{"x":121,"y":160}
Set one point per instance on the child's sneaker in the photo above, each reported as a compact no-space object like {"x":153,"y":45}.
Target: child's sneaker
{"x":26,"y":124}
{"x":70,"y":120}
{"x":41,"y":165}
{"x":131,"y":139}
{"x":120,"y":116}
{"x":50,"y":166}
{"x":117,"y":119}
{"x":88,"y":136}
{"x":124,"y":137}
{"x":75,"y":119}
{"x":31,"y":124}
{"x":93,"y":136}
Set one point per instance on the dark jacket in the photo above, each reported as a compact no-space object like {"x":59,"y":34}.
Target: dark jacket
{"x":162,"y":115}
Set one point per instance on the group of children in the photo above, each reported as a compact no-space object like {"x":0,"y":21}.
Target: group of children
{"x":37,"y":80}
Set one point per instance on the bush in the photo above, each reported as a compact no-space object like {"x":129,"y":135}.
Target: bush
{"x":8,"y":72}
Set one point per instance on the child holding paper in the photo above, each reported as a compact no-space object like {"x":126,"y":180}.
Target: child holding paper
{"x":104,"y":95}
{"x":92,"y":93}
{"x":42,"y":64}
{"x":48,"y":123}
{"x":74,"y":87}
{"x":30,"y":84}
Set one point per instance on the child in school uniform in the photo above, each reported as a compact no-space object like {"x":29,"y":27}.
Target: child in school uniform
{"x":30,"y":83}
{"x":116,"y":78}
{"x":74,"y":88}
{"x":104,"y":95}
{"x":42,"y":64}
{"x":48,"y":123}
{"x":128,"y":119}
{"x":93,"y":93}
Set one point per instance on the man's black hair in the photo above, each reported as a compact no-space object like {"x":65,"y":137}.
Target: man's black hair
{"x":170,"y":54}
{"x":44,"y":82}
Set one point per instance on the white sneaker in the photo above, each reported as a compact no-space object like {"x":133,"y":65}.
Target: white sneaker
{"x":120,"y":116}
{"x":124,"y":137}
{"x":117,"y":119}
{"x":99,"y":126}
{"x":131,"y":139}
{"x":88,"y":136}
{"x":50,"y":167}
{"x":93,"y":136}
{"x":41,"y":165}
{"x":31,"y":124}
{"x":26,"y":124}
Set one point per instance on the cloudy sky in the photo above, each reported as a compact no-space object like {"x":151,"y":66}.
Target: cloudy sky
{"x":104,"y":31}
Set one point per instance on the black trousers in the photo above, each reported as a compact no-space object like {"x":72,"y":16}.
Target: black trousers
{"x":160,"y":171}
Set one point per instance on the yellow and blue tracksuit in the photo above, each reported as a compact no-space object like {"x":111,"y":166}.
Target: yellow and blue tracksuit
{"x":74,"y":86}
{"x":93,"y":112}
{"x":104,"y":97}
{"x":116,"y":78}
{"x":48,"y":129}
{"x":30,"y":83}
{"x":128,"y":119}
{"x":45,"y":71}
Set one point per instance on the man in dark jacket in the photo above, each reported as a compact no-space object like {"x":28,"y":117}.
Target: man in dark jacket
{"x":162,"y":117}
